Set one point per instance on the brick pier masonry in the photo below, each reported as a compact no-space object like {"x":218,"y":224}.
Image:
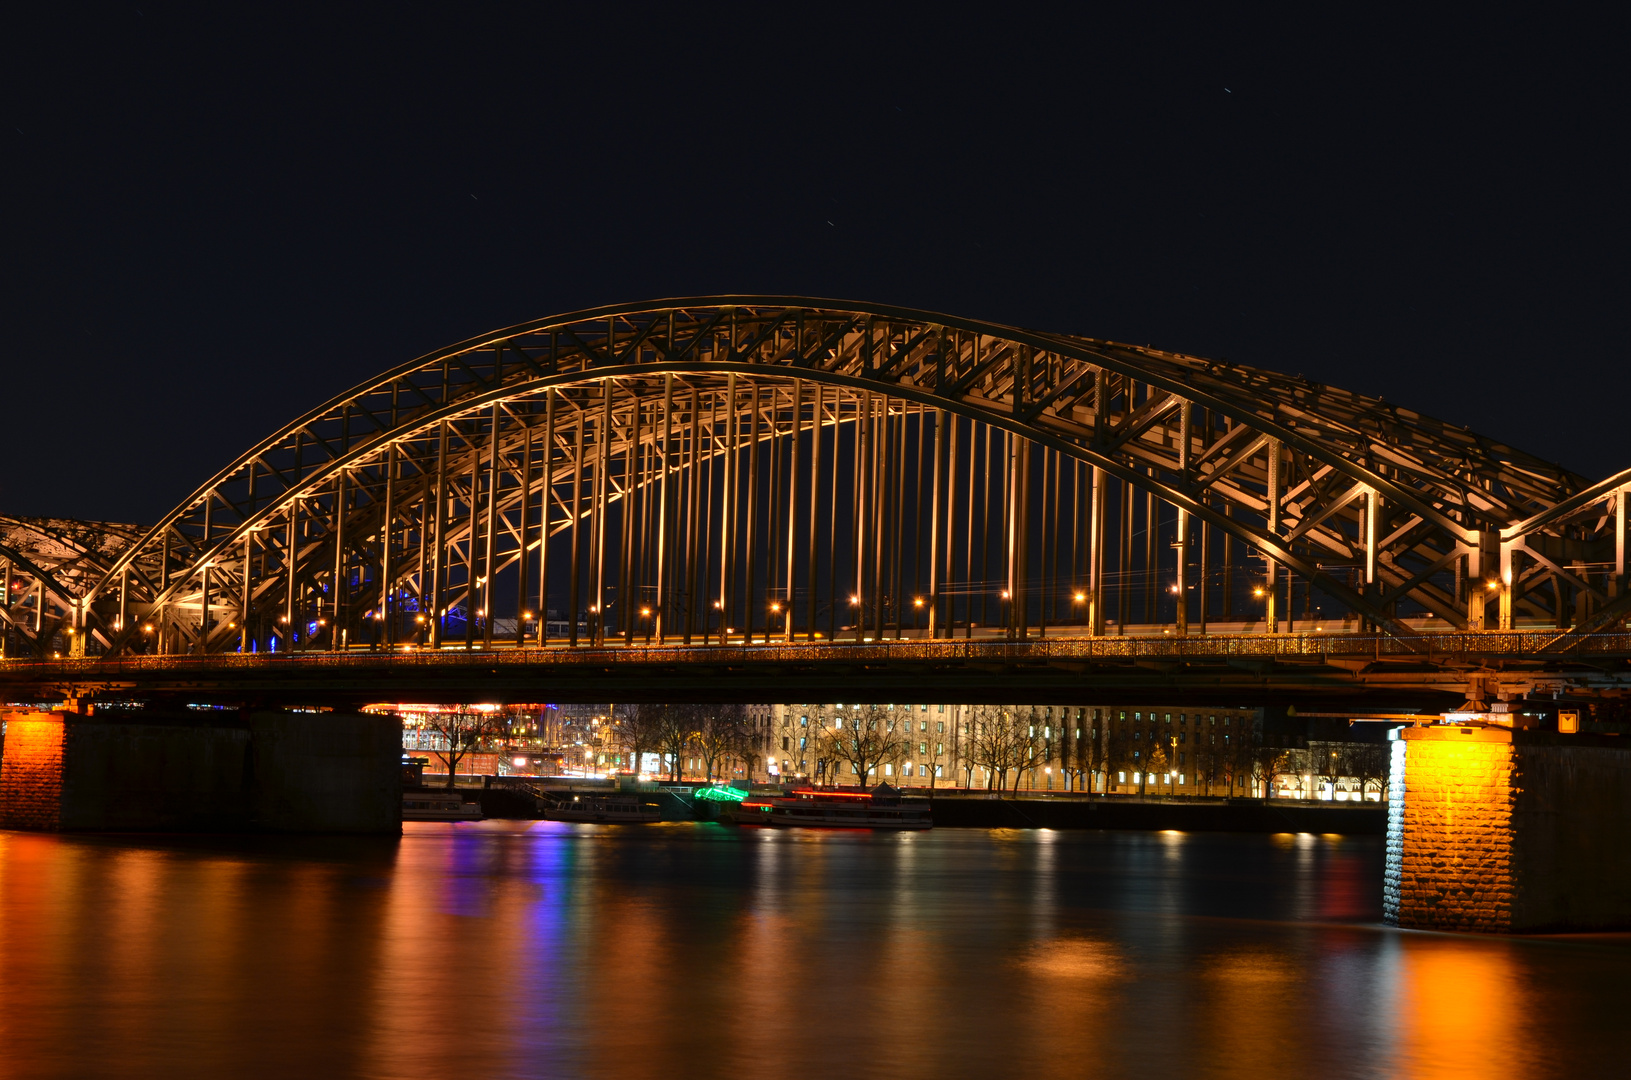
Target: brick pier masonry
{"x":1499,"y":831}
{"x":213,"y":771}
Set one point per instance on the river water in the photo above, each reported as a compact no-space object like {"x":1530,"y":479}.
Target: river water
{"x":537,"y":949}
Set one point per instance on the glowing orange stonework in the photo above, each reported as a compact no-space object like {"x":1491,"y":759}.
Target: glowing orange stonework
{"x":31,"y":771}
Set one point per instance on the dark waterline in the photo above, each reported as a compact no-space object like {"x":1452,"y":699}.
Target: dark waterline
{"x":534,"y":949}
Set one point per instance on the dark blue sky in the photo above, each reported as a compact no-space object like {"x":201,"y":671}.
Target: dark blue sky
{"x":219,"y":216}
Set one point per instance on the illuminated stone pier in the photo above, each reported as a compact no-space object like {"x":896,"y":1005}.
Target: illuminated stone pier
{"x":1499,"y":831}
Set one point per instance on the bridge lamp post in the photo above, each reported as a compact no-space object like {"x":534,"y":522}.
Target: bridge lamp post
{"x":776,"y":609}
{"x":645,"y":616}
{"x":860,"y":631}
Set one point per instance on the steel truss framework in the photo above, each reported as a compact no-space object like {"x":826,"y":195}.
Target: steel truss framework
{"x":741,"y":468}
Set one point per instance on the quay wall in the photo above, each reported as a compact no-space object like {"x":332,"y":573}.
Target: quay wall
{"x":1243,"y":815}
{"x":240,"y":772}
{"x":1500,"y":831}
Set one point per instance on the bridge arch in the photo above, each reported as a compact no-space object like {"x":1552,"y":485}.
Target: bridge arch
{"x":410,"y":496}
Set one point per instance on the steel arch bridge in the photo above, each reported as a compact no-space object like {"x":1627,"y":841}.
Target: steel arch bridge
{"x":733,"y":469}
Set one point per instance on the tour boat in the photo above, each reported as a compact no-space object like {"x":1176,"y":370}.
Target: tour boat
{"x":438,"y":806}
{"x":881,"y":808}
{"x":605,"y":809}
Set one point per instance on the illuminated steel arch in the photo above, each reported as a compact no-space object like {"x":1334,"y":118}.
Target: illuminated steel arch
{"x":781,"y":466}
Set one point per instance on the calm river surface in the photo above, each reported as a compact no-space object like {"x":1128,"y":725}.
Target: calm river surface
{"x":537,"y":949}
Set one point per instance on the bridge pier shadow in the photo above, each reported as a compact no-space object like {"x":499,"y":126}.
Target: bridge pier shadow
{"x":219,"y":771}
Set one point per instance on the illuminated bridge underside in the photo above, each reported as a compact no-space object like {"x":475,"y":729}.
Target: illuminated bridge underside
{"x":732,"y":469}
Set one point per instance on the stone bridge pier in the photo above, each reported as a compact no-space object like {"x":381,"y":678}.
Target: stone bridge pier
{"x":1497,"y":830}
{"x":220,"y":770}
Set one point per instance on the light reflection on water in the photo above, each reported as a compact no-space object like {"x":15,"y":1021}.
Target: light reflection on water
{"x":534,"y":949}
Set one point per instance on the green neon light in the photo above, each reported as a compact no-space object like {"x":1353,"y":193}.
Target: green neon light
{"x":720,"y":794}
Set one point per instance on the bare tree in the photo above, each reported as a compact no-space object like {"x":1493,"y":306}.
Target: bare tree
{"x":1118,"y":749}
{"x":676,"y":729}
{"x":1002,"y":741}
{"x":1370,"y":763}
{"x":1269,"y":762}
{"x":1159,"y":761}
{"x":721,"y":735}
{"x":1209,"y":761}
{"x":639,"y":730}
{"x":1076,"y":750}
{"x":865,"y":737}
{"x":463,"y":732}
{"x":932,"y":748}
{"x":924,"y":745}
{"x":1328,"y":764}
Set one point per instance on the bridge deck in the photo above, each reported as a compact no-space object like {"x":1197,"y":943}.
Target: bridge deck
{"x":1380,"y":671}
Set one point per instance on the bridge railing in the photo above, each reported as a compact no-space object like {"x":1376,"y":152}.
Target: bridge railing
{"x":1548,"y":644}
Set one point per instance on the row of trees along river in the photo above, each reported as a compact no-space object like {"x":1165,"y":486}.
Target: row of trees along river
{"x":1001,"y":748}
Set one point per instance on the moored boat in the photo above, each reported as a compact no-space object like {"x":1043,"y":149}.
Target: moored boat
{"x":880,"y":808}
{"x":439,"y":806}
{"x":604,"y":809}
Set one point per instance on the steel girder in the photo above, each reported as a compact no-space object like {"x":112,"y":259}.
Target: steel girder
{"x":1386,"y":512}
{"x":48,"y":567}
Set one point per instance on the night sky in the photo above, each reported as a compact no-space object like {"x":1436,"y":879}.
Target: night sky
{"x":217,"y":217}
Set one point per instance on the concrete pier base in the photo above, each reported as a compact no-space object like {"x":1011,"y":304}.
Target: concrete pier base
{"x":1501,"y":831}
{"x":222,"y":772}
